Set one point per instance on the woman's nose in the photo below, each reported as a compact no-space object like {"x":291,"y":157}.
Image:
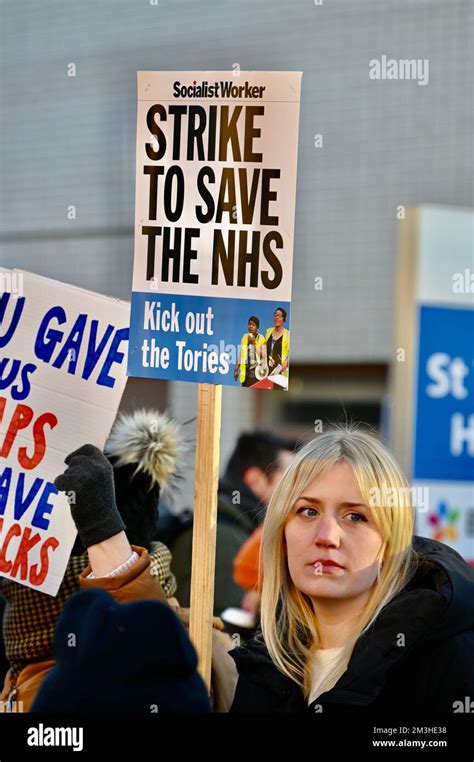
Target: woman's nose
{"x":327,"y":532}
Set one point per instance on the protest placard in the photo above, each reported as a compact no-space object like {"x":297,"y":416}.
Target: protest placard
{"x":62,"y":374}
{"x":215,"y":206}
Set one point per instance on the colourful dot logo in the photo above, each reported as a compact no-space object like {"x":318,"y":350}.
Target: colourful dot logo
{"x":444,"y":521}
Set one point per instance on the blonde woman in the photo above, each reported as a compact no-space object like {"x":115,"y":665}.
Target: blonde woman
{"x":356,"y":612}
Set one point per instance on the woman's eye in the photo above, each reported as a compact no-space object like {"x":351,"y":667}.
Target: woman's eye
{"x":356,"y":518}
{"x":309,"y":512}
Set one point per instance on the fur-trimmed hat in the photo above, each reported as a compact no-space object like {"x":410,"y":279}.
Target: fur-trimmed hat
{"x":145,"y":449}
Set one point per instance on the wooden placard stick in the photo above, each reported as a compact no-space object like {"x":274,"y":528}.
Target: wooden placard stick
{"x":205,"y":524}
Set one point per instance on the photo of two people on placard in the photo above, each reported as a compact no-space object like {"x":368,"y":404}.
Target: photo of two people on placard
{"x":264,"y":355}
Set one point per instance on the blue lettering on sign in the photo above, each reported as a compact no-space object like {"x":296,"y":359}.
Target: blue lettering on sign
{"x":25,"y":497}
{"x":80,"y":344}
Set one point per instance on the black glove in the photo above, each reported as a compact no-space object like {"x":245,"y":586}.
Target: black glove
{"x":90,"y":478}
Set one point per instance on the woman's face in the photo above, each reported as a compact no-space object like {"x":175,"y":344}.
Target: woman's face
{"x":278,"y":318}
{"x":330,"y":523}
{"x":252,"y":327}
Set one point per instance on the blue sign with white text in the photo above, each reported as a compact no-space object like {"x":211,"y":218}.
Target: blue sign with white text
{"x":200,"y":338}
{"x":444,"y":414}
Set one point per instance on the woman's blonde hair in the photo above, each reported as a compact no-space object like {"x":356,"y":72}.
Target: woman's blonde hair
{"x":288,"y":619}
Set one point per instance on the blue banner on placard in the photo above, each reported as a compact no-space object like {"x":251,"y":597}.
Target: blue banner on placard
{"x":194,"y":338}
{"x":444,"y":413}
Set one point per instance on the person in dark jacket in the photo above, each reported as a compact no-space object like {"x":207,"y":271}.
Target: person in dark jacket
{"x":357,"y":613}
{"x":254,"y":469}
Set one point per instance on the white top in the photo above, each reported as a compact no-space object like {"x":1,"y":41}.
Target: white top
{"x":323,"y":660}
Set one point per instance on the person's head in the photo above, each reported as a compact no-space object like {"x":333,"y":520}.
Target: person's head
{"x":259,"y":459}
{"x":253,"y":324}
{"x":279,"y":317}
{"x":118,"y":664}
{"x":332,"y":506}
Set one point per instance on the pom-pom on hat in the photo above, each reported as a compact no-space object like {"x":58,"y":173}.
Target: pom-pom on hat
{"x":145,"y":449}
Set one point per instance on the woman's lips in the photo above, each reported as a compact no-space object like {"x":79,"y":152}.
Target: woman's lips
{"x":326,"y":567}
